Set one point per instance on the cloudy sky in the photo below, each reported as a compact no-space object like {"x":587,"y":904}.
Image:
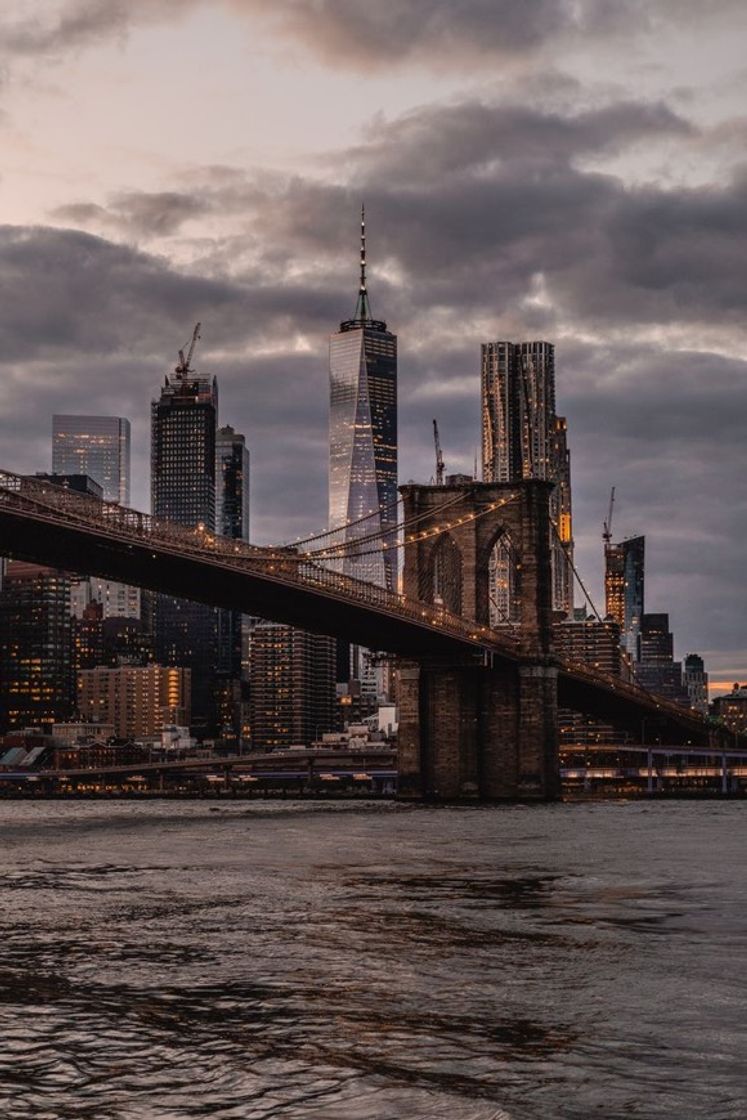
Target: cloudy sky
{"x":573,"y":170}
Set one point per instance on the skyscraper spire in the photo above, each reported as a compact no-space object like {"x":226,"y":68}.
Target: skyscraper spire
{"x":362,"y":307}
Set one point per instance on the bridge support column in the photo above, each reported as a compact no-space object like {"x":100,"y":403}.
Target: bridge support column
{"x":475,"y":733}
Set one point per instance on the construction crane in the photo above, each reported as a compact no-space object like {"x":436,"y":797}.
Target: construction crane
{"x":185,"y":363}
{"x":439,"y":456}
{"x":607,"y":531}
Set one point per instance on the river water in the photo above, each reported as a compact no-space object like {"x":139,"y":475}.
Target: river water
{"x":373,"y":962}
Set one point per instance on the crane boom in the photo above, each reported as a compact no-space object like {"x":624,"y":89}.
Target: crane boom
{"x":193,"y":343}
{"x":607,"y":531}
{"x":185,"y":363}
{"x":439,"y":456}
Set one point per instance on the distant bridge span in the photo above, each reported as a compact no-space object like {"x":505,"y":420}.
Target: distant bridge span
{"x":47,"y":524}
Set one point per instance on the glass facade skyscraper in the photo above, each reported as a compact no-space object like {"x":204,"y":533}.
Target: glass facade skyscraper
{"x":183,"y":462}
{"x":363,"y":436}
{"x":523,"y":437}
{"x":624,"y":581}
{"x":232,"y":485}
{"x":98,"y":446}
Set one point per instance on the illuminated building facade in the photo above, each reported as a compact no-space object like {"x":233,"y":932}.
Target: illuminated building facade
{"x":98,"y":446}
{"x":624,"y":582}
{"x":731,"y":709}
{"x":138,"y":701}
{"x":363,"y":436}
{"x":36,"y":676}
{"x":183,"y":462}
{"x":522,"y":437}
{"x":291,"y":686}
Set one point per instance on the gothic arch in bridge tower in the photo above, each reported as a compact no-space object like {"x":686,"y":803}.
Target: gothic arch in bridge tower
{"x":441,"y":578}
{"x":499,"y":563}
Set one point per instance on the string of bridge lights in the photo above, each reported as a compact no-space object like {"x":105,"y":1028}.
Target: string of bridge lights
{"x":378,"y":512}
{"x":380,"y":533}
{"x":351,"y":548}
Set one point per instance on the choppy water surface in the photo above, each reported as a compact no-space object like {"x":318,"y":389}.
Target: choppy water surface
{"x":372,"y":962}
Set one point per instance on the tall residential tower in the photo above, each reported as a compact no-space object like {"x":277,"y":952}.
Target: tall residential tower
{"x":523,"y":437}
{"x":624,"y":582}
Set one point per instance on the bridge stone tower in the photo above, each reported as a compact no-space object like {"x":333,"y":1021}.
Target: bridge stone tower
{"x":485,"y":727}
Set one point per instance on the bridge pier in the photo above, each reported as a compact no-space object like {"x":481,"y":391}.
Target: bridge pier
{"x":469,"y":733}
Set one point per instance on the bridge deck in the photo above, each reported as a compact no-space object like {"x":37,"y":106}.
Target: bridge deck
{"x":47,"y":524}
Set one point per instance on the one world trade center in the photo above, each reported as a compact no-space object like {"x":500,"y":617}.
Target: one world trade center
{"x":363,"y":440}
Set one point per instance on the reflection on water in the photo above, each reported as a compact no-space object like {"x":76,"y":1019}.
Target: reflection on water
{"x":372,"y":963}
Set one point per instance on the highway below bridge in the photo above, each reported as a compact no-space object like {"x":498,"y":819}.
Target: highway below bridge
{"x":624,"y":767}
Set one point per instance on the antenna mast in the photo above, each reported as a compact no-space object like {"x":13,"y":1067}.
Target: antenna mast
{"x":439,"y":456}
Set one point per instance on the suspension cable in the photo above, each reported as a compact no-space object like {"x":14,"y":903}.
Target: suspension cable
{"x":403,"y":542}
{"x":355,"y":542}
{"x":348,"y":525}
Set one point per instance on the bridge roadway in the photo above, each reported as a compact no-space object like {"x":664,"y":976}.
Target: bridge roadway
{"x":287,"y":763}
{"x":381,"y":763}
{"x":48,"y":524}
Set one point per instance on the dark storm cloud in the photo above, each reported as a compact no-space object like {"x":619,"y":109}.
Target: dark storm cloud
{"x":76,"y":23}
{"x":358,"y":34}
{"x":40,"y":28}
{"x":473,"y":137}
{"x":355,"y":34}
{"x":474,"y":202}
{"x":90,"y":326}
{"x":69,"y":291}
{"x":137,"y":213}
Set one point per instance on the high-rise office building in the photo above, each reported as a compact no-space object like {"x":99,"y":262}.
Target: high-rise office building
{"x":695,"y":680}
{"x":291,"y":686}
{"x":523,"y":437}
{"x":183,"y":448}
{"x":657,"y":670}
{"x":232,"y":520}
{"x":36,"y":678}
{"x":98,"y":446}
{"x":363,"y":436}
{"x":232,"y":485}
{"x":624,"y":582}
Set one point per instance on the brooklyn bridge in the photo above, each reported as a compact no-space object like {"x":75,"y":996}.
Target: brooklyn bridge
{"x":478,"y":702}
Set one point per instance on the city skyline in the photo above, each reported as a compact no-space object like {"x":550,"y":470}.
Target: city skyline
{"x":646,"y":329}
